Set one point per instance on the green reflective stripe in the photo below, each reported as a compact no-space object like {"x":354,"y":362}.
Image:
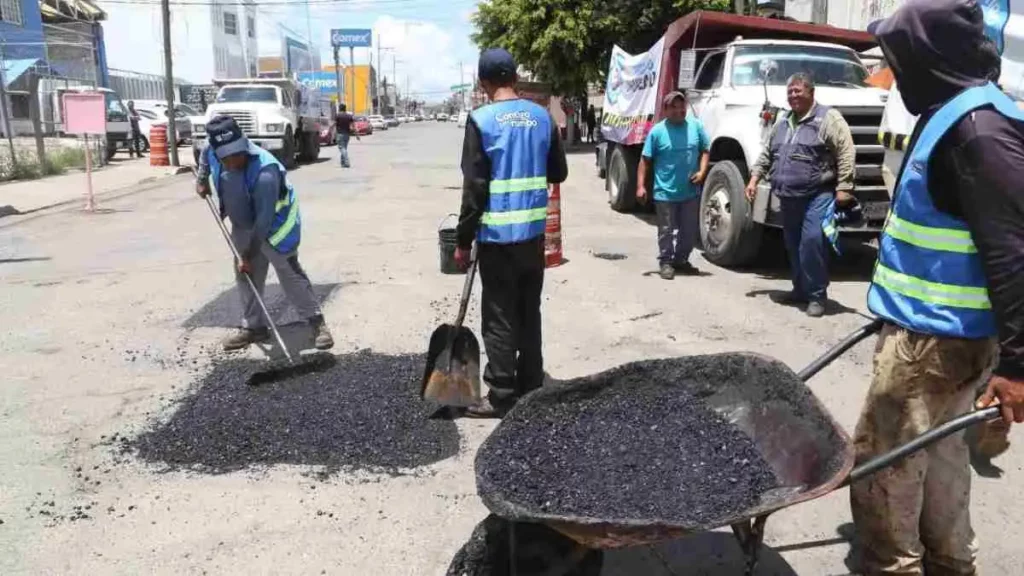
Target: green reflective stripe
{"x":289,"y":224}
{"x":944,"y":239}
{"x":829,"y":230}
{"x":518,"y":185}
{"x":514,"y":217}
{"x":280,"y":204}
{"x":933,"y":292}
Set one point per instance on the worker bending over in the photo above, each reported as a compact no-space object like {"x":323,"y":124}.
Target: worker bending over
{"x":255,"y":195}
{"x":511,"y":152}
{"x":949,"y":283}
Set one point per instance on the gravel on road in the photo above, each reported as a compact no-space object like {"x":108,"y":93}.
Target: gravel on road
{"x":363,"y":413}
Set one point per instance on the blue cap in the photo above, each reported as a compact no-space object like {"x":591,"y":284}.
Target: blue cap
{"x":496,"y":65}
{"x":226,"y":137}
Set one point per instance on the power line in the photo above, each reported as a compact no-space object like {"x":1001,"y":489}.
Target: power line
{"x":294,"y":3}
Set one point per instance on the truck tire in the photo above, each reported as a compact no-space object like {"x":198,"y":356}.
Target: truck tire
{"x":111,"y":149}
{"x":602,"y":161}
{"x":728,"y":232}
{"x":314,"y":146}
{"x":288,"y":151}
{"x":621,"y":179}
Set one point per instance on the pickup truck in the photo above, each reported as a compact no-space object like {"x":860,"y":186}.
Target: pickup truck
{"x":734,"y":70}
{"x":277,"y":114}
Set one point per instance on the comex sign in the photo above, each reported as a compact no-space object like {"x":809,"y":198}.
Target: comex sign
{"x":351,"y":38}
{"x":320,"y":80}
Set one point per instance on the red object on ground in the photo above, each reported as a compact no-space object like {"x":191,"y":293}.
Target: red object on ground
{"x":158,"y":146}
{"x":553,"y":230}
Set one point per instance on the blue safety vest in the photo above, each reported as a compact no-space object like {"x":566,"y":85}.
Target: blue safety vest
{"x":929,"y":277}
{"x":516,"y":136}
{"x":286,"y":230}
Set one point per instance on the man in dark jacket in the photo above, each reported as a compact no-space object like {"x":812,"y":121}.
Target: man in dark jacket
{"x":511,"y":152}
{"x":949,"y":283}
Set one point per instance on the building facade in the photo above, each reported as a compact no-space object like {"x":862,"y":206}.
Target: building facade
{"x":852,"y":14}
{"x":360,"y":87}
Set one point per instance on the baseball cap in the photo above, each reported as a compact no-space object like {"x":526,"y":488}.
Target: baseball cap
{"x":671,"y":96}
{"x":496,"y":65}
{"x":226,"y":137}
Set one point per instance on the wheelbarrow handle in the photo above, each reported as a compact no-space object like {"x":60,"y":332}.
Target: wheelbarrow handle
{"x":873,"y":327}
{"x":923,"y":441}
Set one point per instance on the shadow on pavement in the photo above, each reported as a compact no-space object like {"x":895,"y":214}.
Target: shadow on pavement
{"x":855,"y":264}
{"x":225,"y":311}
{"x":710,"y":553}
{"x":832,"y":307}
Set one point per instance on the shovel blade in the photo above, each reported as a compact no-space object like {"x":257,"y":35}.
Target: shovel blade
{"x":452,"y":374}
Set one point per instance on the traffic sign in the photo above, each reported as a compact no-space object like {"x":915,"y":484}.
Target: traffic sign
{"x":351,"y":38}
{"x":458,"y":87}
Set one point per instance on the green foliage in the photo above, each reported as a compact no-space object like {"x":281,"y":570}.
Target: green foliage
{"x":568,"y":43}
{"x":27,"y":165}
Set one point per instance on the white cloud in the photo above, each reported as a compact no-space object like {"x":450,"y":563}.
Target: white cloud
{"x":427,"y":54}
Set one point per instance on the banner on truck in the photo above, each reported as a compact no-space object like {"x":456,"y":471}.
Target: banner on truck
{"x":631,"y":96}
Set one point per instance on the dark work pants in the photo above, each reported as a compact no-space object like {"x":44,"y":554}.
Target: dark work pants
{"x":806,"y":244}
{"x":513,"y":278}
{"x":135,"y":144}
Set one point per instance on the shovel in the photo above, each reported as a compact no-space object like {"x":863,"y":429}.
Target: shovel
{"x":452,"y":375}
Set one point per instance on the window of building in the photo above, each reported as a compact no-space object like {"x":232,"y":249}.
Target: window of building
{"x":10,"y":11}
{"x":251,"y":24}
{"x":19,"y":106}
{"x":231,"y":23}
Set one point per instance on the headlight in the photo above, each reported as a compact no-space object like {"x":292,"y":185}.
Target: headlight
{"x":273,"y":128}
{"x":199,"y":128}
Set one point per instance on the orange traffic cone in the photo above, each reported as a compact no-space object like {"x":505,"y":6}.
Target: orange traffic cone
{"x":553,"y":230}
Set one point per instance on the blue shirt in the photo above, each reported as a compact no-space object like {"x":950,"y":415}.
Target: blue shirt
{"x":675,"y":151}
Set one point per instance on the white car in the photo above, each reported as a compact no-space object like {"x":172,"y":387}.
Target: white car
{"x":442,"y":117}
{"x":378,"y":122}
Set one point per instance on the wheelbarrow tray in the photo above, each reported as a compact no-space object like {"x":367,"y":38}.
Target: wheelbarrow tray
{"x":804,"y":446}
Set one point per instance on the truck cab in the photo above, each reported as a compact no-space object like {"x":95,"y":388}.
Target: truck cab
{"x":278,"y":115}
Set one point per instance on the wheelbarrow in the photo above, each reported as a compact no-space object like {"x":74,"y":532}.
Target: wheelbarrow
{"x":809,"y":452}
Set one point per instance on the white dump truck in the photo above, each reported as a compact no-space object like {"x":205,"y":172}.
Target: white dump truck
{"x":277,"y":114}
{"x":734,"y":70}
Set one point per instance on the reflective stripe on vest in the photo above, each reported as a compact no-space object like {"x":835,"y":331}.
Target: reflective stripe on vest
{"x":929,"y":277}
{"x":291,"y":219}
{"x":516,"y":135}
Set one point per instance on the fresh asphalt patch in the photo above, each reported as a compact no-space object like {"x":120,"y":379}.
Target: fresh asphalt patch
{"x":361,"y":413}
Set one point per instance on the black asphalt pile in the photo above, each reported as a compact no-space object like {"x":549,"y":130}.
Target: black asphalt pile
{"x":362,"y":413}
{"x":636,"y":443}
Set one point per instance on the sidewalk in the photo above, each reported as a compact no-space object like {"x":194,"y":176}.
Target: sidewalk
{"x":34,"y":195}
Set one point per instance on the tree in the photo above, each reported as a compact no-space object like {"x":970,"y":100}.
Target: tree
{"x":568,"y":43}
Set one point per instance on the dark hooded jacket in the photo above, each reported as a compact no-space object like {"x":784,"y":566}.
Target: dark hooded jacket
{"x":936,"y":49}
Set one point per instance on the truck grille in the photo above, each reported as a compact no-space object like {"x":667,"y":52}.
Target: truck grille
{"x":869,"y":185}
{"x":246,"y":120}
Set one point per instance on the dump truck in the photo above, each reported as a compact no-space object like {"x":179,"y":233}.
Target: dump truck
{"x":734,"y":70}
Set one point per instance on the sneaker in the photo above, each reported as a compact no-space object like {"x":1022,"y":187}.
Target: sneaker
{"x":790,"y":299}
{"x":667,"y":272}
{"x":322,"y":339}
{"x":816,"y":309}
{"x":485,"y":410}
{"x":243,"y":337}
{"x":686,"y":269}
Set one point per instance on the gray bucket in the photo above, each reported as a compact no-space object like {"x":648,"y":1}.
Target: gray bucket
{"x":447,"y":242}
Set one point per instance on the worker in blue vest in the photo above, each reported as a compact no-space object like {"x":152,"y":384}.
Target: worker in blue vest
{"x":510,"y":154}
{"x":949,"y":283}
{"x":255,"y":195}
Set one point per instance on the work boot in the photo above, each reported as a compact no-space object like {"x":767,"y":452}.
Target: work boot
{"x":667,"y":272}
{"x":816,"y":309}
{"x":322,"y":339}
{"x":686,"y":269}
{"x":243,"y":337}
{"x":484,"y":409}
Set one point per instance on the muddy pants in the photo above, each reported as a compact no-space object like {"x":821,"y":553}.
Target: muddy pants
{"x":677,"y":230}
{"x":914,"y":518}
{"x":294,"y":283}
{"x":513,"y":278}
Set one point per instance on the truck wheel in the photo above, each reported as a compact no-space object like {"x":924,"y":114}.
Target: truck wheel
{"x":727,"y":229}
{"x":288,"y":152}
{"x":621,"y":181}
{"x":314,"y":146}
{"x":602,"y":165}
{"x":111,"y":149}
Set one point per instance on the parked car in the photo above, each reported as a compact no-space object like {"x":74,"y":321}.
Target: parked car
{"x":362,"y":126}
{"x":393,"y":121}
{"x":442,"y":117}
{"x":182,"y":116}
{"x":328,"y":133}
{"x":378,"y":122}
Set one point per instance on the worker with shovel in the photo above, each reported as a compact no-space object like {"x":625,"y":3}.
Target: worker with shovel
{"x":255,"y":195}
{"x":511,"y":152}
{"x":949,"y":282}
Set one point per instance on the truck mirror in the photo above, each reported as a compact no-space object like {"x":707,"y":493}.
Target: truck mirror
{"x":768,"y":68}
{"x":687,"y":69}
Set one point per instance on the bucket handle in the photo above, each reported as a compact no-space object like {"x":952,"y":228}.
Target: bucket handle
{"x":445,"y":219}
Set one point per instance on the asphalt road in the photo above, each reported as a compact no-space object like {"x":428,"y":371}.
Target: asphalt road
{"x":109,"y":318}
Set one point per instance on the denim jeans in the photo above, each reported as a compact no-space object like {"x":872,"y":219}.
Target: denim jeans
{"x":806,"y":244}
{"x":343,"y":149}
{"x":677,"y":230}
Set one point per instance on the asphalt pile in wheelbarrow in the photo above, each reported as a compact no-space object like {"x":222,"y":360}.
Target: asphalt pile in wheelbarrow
{"x":362,"y":413}
{"x":636,"y":443}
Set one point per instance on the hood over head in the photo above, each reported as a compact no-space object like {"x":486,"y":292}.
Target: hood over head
{"x":936,"y":49}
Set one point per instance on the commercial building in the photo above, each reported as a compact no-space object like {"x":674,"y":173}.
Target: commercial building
{"x":360,"y":85}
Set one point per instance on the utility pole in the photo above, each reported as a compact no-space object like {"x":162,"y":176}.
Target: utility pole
{"x":352,"y":66}
{"x":462,"y":88}
{"x":394,"y":82}
{"x":380,"y":64}
{"x":337,"y":77}
{"x":172,"y":136}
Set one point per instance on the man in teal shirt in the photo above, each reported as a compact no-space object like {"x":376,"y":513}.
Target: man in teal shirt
{"x":679,"y":149}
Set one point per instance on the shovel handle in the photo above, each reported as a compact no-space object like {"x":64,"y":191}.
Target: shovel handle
{"x":467,"y":289}
{"x":873,"y":327}
{"x":923,"y":441}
